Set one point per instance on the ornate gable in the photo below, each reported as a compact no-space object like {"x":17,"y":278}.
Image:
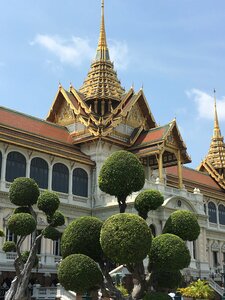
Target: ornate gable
{"x":64,"y":116}
{"x":135,"y":117}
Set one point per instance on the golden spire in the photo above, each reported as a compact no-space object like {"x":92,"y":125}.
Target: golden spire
{"x":216,"y":132}
{"x":216,"y":155}
{"x":102,"y":82}
{"x":102,"y":50}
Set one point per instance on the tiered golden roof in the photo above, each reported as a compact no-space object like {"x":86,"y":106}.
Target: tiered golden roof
{"x":102,"y":82}
{"x":216,"y":155}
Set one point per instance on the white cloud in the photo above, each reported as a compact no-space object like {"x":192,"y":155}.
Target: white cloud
{"x":77,"y":50}
{"x":205,"y":104}
{"x":119,"y":54}
{"x":73,"y":51}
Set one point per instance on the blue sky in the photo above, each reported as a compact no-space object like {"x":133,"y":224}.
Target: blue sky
{"x":174,"y":49}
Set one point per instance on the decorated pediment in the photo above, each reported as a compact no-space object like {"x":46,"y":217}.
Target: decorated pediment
{"x":135,"y":117}
{"x":64,"y":115}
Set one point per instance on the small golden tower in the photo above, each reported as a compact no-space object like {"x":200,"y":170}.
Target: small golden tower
{"x":102,"y":89}
{"x":216,"y":154}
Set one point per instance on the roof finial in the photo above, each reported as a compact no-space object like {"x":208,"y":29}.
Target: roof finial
{"x":102,"y":50}
{"x":217,"y":132}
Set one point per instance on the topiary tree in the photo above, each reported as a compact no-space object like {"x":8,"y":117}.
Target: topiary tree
{"x":168,"y":253}
{"x":183,"y":223}
{"x":125,"y":238}
{"x":24,"y":192}
{"x":79,"y":273}
{"x":1,"y":233}
{"x":9,"y":246}
{"x":83,"y":236}
{"x":22,"y":224}
{"x":165,"y":280}
{"x":146,"y":201}
{"x":121,"y":174}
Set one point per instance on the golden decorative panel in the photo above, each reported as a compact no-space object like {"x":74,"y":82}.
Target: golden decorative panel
{"x":135,"y":117}
{"x":65,"y":115}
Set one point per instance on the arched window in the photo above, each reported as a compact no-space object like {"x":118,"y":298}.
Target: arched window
{"x":212,"y":212}
{"x":39,"y":172}
{"x":15,"y":166}
{"x":222,"y":214}
{"x":153,"y":230}
{"x":60,"y":178}
{"x":0,"y":163}
{"x":80,"y":182}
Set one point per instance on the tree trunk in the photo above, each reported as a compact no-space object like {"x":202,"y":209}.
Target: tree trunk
{"x":108,"y":286}
{"x":139,"y":280}
{"x":18,"y":289}
{"x":122,"y":203}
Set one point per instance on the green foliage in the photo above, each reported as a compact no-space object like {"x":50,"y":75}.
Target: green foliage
{"x":82,"y":236}
{"x":25,"y":256}
{"x":184,"y":224}
{"x":148,"y":200}
{"x":48,"y":202}
{"x":1,"y":233}
{"x":22,"y":224}
{"x":168,"y":253}
{"x":125,"y":238}
{"x":79,"y":273}
{"x":9,"y":246}
{"x":24,"y":191}
{"x":165,"y":279}
{"x":22,"y":209}
{"x":157,"y":296}
{"x":123,"y":290}
{"x":51,"y":233}
{"x":57,"y":219}
{"x":198,"y":289}
{"x":121,"y":174}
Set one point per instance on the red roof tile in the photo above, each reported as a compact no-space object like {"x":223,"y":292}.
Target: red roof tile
{"x":150,"y":136}
{"x":194,"y":176}
{"x":33,"y":125}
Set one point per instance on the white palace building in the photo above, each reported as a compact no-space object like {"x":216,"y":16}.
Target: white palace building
{"x":65,"y":152}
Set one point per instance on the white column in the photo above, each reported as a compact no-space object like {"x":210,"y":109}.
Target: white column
{"x":70,"y":182}
{"x":50,"y":177}
{"x":28,"y":168}
{"x":3,"y":170}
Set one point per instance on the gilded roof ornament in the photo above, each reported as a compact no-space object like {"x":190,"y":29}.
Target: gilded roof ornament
{"x":216,"y":154}
{"x":102,"y":50}
{"x":102,"y":82}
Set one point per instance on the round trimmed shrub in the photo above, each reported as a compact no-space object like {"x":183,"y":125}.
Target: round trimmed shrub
{"x":22,"y":224}
{"x":9,"y":246}
{"x":1,"y":233}
{"x":125,"y":238}
{"x":51,"y":233}
{"x":25,"y":255}
{"x":148,"y":200}
{"x":22,"y":209}
{"x":157,"y":296}
{"x":165,"y":279}
{"x":83,"y":236}
{"x":48,"y":202}
{"x":183,"y":223}
{"x":57,"y":219}
{"x":24,"y":191}
{"x":168,"y":253}
{"x":79,"y":273}
{"x":121,"y":174}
